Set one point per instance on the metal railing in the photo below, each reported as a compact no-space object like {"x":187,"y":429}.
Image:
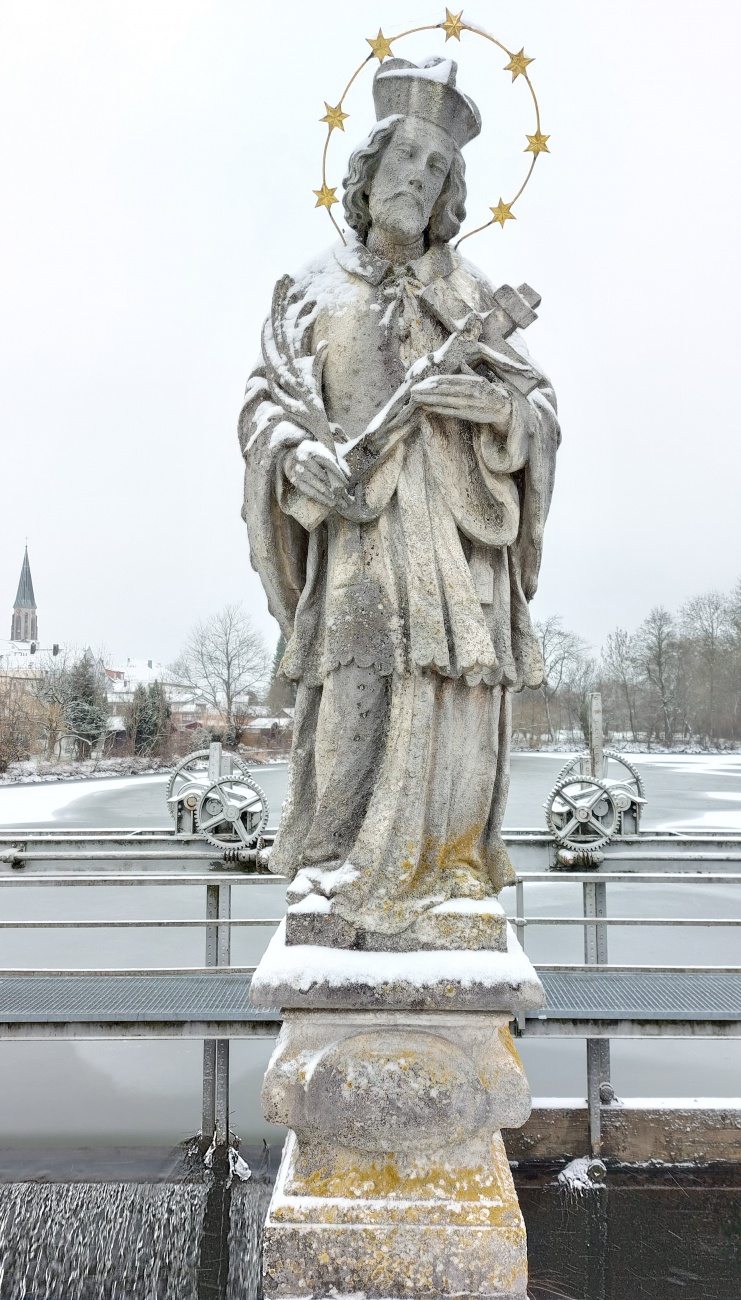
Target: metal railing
{"x":86,"y":859}
{"x":595,"y":921}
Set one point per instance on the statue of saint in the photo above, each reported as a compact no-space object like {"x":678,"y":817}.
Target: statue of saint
{"x":403,"y":592}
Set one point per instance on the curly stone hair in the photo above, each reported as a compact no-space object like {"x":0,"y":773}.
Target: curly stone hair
{"x":448,"y":213}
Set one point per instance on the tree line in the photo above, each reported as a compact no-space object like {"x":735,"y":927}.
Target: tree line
{"x":62,"y":705}
{"x":66,"y":704}
{"x":675,"y":680}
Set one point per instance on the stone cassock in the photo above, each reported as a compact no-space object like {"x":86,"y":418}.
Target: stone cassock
{"x":403,"y":592}
{"x":405,"y":606}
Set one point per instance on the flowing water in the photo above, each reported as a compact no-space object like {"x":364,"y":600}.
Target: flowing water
{"x":249,"y":1206}
{"x":131,"y":1241}
{"x":114,"y":1241}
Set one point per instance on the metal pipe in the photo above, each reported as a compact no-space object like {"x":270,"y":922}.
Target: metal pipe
{"x":43,"y":882}
{"x":135,"y":925}
{"x":124,"y":971}
{"x":673,"y":857}
{"x":208,"y":1102}
{"x":207,"y":854}
{"x":642,"y":970}
{"x":629,"y":877}
{"x":596,"y":922}
{"x":222,"y":1092}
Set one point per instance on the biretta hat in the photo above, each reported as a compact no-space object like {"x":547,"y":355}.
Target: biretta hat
{"x":426,"y":90}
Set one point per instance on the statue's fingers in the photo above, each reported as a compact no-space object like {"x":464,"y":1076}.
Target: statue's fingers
{"x":308,"y":479}
{"x":317,"y":494}
{"x":335,"y":471}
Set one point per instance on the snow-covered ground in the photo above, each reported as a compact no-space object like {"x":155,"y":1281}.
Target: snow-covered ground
{"x":36,"y":771}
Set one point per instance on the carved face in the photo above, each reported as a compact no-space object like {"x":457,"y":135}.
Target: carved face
{"x":410,"y":175}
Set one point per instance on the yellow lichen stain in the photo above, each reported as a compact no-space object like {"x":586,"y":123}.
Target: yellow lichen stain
{"x":505,"y":1037}
{"x":393,"y":1262}
{"x":480,"y":1188}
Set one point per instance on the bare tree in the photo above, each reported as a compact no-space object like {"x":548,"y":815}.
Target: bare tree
{"x":51,"y":690}
{"x":734,"y":618}
{"x":705,"y":621}
{"x":619,"y":664}
{"x":562,"y":652}
{"x":657,"y":651}
{"x":225,"y":658}
{"x":581,"y":679}
{"x":17,"y":720}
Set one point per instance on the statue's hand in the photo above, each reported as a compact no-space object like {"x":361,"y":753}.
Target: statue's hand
{"x":465,"y":397}
{"x":314,"y":471}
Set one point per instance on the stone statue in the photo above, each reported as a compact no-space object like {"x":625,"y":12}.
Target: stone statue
{"x":403,"y":589}
{"x":400,"y":455}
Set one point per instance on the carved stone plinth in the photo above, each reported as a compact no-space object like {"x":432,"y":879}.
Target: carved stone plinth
{"x":394,"y":1180}
{"x":458,"y":923}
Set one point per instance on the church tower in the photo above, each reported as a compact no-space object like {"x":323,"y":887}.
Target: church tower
{"x":23,"y":625}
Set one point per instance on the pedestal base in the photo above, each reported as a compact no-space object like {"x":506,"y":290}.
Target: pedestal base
{"x":395,"y":1181}
{"x":389,"y":1228}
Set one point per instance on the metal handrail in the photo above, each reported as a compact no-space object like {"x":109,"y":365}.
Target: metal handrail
{"x":18,"y":878}
{"x":97,"y":924}
{"x":621,"y":920}
{"x":72,"y":851}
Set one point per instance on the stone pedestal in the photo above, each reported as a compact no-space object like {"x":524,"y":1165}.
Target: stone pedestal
{"x":395,"y":1073}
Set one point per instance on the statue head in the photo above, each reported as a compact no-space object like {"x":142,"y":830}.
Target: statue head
{"x":408,"y":178}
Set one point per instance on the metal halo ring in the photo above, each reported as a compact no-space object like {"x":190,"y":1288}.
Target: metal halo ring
{"x":452,"y":25}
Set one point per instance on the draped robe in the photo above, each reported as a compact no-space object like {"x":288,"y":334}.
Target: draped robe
{"x":408,"y":628}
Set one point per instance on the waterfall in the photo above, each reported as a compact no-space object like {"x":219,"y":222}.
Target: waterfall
{"x":100,"y":1241}
{"x":248,"y":1211}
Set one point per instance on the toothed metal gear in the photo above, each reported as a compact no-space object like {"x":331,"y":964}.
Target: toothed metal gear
{"x":609,"y":755}
{"x":189,"y":779}
{"x":582,"y":812}
{"x":232,"y":811}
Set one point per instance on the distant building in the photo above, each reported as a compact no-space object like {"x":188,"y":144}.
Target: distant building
{"x":189,"y":710}
{"x":24,"y":624}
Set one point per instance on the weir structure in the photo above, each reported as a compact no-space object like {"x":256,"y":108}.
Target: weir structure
{"x":595,"y":1000}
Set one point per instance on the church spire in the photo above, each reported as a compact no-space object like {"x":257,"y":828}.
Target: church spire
{"x":24,"y":626}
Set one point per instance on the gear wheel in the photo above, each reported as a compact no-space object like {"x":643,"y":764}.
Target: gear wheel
{"x":582,"y":812}
{"x":632,"y":784}
{"x":232,"y":811}
{"x":190,"y":777}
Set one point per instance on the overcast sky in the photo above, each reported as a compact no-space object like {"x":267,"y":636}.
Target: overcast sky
{"x":157,"y":162}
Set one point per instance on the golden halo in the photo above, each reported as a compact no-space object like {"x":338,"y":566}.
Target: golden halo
{"x":452,"y":25}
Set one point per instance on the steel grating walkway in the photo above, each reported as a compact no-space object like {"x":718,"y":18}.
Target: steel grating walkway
{"x":221,"y":998}
{"x":651,"y":995}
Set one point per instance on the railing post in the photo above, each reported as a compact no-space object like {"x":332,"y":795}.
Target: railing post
{"x":595,"y":943}
{"x":215,"y":1112}
{"x":208,"y":1119}
{"x":520,"y":928}
{"x":596,"y":736}
{"x":224,"y":949}
{"x":598,"y":1049}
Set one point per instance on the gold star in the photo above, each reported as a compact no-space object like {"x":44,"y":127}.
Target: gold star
{"x":518,"y":64}
{"x":325,"y":197}
{"x":453,"y":25}
{"x":334,"y":116}
{"x":538,"y":144}
{"x":502,"y":213}
{"x":381,"y":47}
